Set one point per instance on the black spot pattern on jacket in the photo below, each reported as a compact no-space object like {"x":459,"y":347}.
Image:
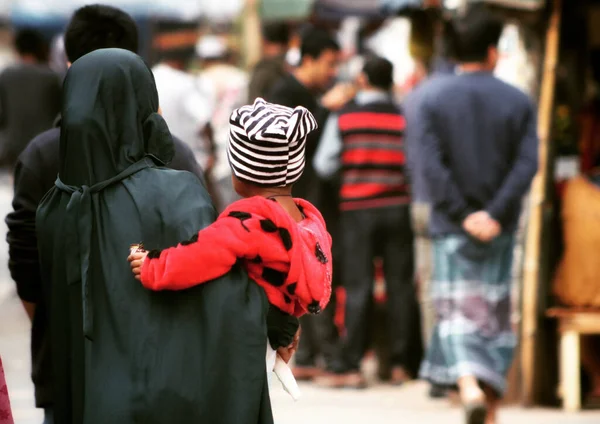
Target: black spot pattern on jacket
{"x":286,"y":238}
{"x":320,"y":255}
{"x":257,"y":260}
{"x":193,"y":240}
{"x":242,"y":216}
{"x":314,"y":308}
{"x":274,"y":277}
{"x":268,"y":226}
{"x":154,"y":254}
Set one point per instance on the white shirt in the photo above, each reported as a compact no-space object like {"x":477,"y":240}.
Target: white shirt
{"x":187,"y":105}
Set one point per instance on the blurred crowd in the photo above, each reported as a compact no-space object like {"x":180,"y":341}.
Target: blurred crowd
{"x":395,"y":170}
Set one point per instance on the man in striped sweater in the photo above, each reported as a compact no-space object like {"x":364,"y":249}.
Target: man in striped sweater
{"x":364,"y":142}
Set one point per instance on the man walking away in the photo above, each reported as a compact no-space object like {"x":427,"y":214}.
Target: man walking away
{"x":272,"y":67}
{"x":368,"y":137}
{"x":91,"y":28}
{"x":29,"y":96}
{"x":479,"y":152}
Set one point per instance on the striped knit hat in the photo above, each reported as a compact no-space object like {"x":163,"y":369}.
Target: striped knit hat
{"x":267,"y":142}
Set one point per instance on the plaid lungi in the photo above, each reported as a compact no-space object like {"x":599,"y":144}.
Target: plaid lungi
{"x":471,"y":291}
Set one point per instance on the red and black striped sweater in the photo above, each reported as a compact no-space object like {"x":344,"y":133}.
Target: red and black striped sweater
{"x":373,"y":157}
{"x":290,"y":260}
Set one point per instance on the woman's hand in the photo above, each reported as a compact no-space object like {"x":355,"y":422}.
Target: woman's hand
{"x":136,"y":260}
{"x":286,"y":353}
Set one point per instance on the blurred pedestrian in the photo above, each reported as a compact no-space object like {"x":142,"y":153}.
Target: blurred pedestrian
{"x":58,"y":56}
{"x":230,"y":90}
{"x":187,"y":106}
{"x":365,"y":141}
{"x":304,"y":86}
{"x":29,"y":96}
{"x":272,"y":66}
{"x":91,"y":28}
{"x":478,"y":147}
{"x":5,"y":410}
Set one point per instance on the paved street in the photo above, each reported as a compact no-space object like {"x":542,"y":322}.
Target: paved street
{"x":379,"y":405}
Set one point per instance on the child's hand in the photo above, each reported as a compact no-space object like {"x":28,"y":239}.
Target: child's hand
{"x":136,"y":260}
{"x":286,"y":353}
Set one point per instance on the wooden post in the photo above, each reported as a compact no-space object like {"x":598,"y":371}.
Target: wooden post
{"x":251,"y":33}
{"x":530,"y":301}
{"x":570,"y":379}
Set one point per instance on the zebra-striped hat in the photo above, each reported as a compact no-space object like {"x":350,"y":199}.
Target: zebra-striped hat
{"x":267,"y":142}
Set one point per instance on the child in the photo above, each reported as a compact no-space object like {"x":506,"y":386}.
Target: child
{"x":282,"y":241}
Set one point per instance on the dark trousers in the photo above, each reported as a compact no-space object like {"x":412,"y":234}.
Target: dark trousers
{"x":367,"y":234}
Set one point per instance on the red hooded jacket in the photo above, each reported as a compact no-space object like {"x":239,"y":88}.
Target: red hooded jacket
{"x":290,"y":260}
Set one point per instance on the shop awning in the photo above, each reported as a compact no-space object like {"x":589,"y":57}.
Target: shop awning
{"x":375,"y":9}
{"x":34,"y":11}
{"x":519,"y":4}
{"x":338,"y":9}
{"x":272,"y":10}
{"x":511,"y":4}
{"x":394,"y":6}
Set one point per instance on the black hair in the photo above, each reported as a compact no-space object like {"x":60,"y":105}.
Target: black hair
{"x":422,"y":35}
{"x":473,"y":34}
{"x":276,"y":32}
{"x":99,"y":27}
{"x":32,"y":42}
{"x":379,"y":72}
{"x":315,"y":42}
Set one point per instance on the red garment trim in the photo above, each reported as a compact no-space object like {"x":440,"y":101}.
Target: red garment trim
{"x":5,"y":409}
{"x":368,"y":189}
{"x":371,"y":120}
{"x":374,"y":203}
{"x":339,"y":317}
{"x":373,"y":156}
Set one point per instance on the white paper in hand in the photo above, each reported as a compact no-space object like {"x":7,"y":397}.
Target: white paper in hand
{"x":283,"y":373}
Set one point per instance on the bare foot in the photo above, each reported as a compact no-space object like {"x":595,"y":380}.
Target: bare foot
{"x":469,"y":390}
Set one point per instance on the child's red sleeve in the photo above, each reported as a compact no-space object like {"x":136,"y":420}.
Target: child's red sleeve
{"x":209,"y":255}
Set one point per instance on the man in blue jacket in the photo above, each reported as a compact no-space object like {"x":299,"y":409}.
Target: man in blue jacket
{"x":478,"y":155}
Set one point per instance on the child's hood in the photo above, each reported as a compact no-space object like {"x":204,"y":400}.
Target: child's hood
{"x":307,"y":245}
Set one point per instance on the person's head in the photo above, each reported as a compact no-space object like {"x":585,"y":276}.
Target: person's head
{"x":476,"y":36}
{"x":99,"y":27}
{"x":266,"y":147}
{"x":276,"y":38}
{"x":31,"y":46}
{"x":109,"y":118}
{"x":319,"y":61}
{"x":377,"y":74}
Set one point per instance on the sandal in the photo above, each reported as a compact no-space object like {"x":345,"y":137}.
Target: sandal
{"x":475,"y":413}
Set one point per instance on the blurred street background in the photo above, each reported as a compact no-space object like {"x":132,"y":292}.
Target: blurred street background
{"x":207,"y":57}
